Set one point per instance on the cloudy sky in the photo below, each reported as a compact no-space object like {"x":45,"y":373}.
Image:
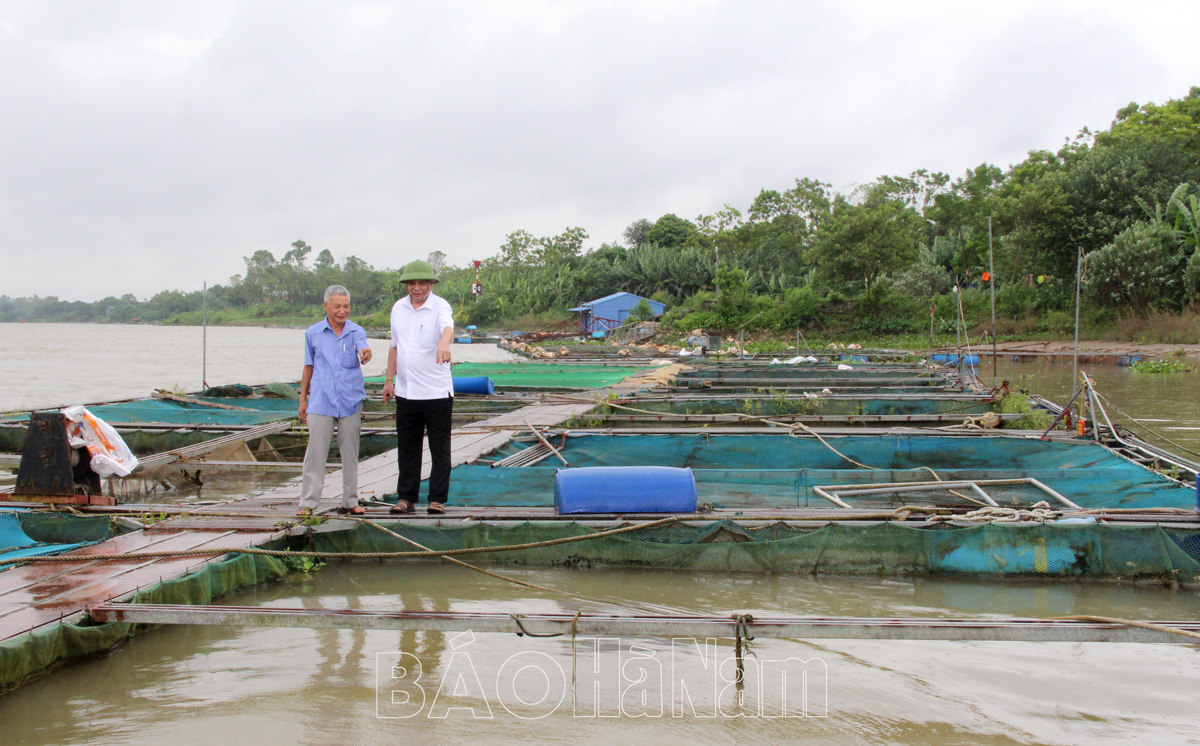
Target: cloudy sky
{"x":152,"y":145}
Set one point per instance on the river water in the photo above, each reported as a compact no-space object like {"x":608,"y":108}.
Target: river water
{"x":202,"y":685}
{"x":212,"y":685}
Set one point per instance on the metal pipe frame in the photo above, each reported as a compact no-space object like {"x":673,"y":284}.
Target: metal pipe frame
{"x":590,"y":625}
{"x":1146,"y":449}
{"x":834,"y":493}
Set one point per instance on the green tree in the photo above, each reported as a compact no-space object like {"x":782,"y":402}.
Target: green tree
{"x":635,"y":232}
{"x":864,"y":241}
{"x":671,"y":231}
{"x":1139,"y":271}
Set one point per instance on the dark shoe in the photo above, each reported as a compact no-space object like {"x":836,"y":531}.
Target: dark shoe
{"x":436,"y":509}
{"x":356,"y":510}
{"x":403,"y":506}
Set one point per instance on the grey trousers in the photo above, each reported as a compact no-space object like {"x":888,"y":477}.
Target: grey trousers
{"x":320,"y":433}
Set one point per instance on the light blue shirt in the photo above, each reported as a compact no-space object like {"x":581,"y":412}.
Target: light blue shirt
{"x":336,"y":389}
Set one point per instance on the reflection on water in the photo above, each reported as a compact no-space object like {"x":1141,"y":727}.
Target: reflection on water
{"x":217,"y":685}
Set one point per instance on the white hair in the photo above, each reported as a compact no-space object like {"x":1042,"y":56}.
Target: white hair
{"x":333,"y":290}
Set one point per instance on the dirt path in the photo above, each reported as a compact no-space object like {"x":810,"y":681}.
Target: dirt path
{"x":1112,"y":348}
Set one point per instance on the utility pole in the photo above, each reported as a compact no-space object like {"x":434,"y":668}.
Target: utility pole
{"x":204,"y":340}
{"x":992,"y":282}
{"x":1078,"y":279}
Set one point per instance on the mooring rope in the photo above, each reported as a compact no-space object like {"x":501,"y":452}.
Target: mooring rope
{"x":1040,"y":511}
{"x":899,"y":514}
{"x":341,"y":555}
{"x":1127,"y":623}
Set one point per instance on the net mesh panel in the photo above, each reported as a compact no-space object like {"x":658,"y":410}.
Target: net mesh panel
{"x":54,"y":528}
{"x":543,"y":376}
{"x":1092,"y":551}
{"x":770,"y":471}
{"x":1188,"y":541}
{"x":915,"y":377}
{"x":768,"y":407}
{"x":183,"y":414}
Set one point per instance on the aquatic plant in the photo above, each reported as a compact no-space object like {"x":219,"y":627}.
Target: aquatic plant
{"x":305,"y":565}
{"x":1161,"y":366}
{"x":1035,"y":418}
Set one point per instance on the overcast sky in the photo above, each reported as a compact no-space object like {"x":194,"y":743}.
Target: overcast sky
{"x":151,"y":145}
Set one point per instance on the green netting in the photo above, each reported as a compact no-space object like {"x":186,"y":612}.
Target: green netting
{"x":916,"y":377}
{"x":538,"y":375}
{"x":760,"y":407}
{"x":280,"y":391}
{"x":58,"y":528}
{"x":28,"y":655}
{"x":236,"y":390}
{"x":153,"y":410}
{"x":770,"y":471}
{"x":1034,"y":549}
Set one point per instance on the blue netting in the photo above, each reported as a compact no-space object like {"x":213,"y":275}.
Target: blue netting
{"x":15,"y":543}
{"x":757,"y":471}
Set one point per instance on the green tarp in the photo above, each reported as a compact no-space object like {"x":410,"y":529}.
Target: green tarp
{"x":1028,"y":549}
{"x":539,"y":375}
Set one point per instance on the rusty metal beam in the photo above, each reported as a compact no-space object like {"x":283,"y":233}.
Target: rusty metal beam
{"x":590,"y":625}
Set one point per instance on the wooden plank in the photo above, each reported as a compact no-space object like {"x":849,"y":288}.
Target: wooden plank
{"x":200,"y":402}
{"x":263,"y":466}
{"x":208,"y":446}
{"x":69,"y":594}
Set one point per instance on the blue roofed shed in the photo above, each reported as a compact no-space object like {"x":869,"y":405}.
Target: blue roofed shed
{"x":611,"y":311}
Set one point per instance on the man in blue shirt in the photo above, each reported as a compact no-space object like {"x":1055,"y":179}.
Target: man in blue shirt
{"x":331,"y":392}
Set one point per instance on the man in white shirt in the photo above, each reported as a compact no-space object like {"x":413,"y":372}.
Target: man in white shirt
{"x":418,"y":376}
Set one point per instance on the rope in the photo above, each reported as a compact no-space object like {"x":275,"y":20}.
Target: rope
{"x":342,"y":555}
{"x":953,"y":492}
{"x":1128,"y":623}
{"x":899,"y":514}
{"x":801,"y":426}
{"x":517,"y":618}
{"x":460,"y":562}
{"x":1142,"y":424}
{"x":741,"y":640}
{"x":1039,"y":512}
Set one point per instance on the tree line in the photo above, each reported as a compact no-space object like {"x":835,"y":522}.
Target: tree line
{"x":875,"y":259}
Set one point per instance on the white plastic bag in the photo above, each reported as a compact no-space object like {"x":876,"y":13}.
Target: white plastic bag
{"x":110,"y":455}
{"x":843,"y":366}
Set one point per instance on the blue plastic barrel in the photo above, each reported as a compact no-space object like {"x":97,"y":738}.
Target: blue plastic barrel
{"x":625,"y":489}
{"x":473,"y":385}
{"x":970,"y":361}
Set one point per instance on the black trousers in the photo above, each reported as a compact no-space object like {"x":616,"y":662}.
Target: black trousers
{"x":415,"y":418}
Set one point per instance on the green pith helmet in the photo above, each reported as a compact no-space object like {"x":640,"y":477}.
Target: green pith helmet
{"x":418,"y":270}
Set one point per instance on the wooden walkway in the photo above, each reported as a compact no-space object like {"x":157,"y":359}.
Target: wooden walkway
{"x":37,"y":594}
{"x":42,"y":593}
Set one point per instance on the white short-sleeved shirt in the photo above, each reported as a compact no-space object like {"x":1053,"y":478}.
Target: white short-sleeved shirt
{"x":415,"y":335}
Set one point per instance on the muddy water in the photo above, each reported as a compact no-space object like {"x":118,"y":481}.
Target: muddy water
{"x":49,"y":365}
{"x":1168,"y":403}
{"x":203,"y":685}
{"x":200,"y":685}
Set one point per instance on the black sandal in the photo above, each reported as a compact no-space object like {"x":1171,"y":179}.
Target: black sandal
{"x":408,"y":507}
{"x":356,"y":510}
{"x":436,"y":509}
